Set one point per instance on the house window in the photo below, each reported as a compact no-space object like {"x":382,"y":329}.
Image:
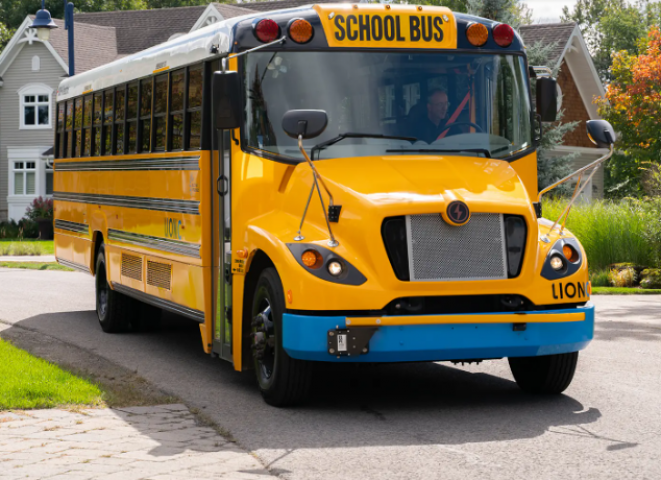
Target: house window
{"x":49,"y":179}
{"x":25,"y":178}
{"x":35,"y":110}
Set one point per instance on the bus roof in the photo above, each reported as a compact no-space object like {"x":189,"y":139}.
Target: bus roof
{"x":236,"y":32}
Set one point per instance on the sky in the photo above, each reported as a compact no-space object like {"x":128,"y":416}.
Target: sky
{"x":548,"y":11}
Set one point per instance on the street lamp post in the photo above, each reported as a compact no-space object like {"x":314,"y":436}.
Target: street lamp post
{"x":43,"y":23}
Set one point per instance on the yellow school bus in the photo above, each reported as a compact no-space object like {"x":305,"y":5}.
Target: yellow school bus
{"x":330,"y":183}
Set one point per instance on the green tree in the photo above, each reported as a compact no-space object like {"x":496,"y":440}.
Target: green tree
{"x":610,"y":26}
{"x":512,"y":12}
{"x":13,"y":12}
{"x":633,"y":106}
{"x":551,"y":167}
{"x":459,"y":6}
{"x":5,"y":36}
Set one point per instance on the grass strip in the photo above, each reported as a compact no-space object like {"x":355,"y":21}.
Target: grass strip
{"x":30,"y":382}
{"x":36,"y":266}
{"x":624,"y":291}
{"x":27,"y":246}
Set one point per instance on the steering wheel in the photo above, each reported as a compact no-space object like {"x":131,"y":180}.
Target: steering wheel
{"x":458,"y":124}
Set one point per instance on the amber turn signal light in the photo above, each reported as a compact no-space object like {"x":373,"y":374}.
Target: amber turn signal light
{"x":477,"y":34}
{"x":300,"y":30}
{"x":312,"y":259}
{"x":569,"y":253}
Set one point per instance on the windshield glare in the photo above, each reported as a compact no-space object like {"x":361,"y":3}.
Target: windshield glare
{"x":465,"y":104}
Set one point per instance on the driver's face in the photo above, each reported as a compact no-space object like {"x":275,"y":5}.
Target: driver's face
{"x":437,"y":107}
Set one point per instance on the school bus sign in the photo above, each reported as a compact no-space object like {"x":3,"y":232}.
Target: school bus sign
{"x":399,"y":26}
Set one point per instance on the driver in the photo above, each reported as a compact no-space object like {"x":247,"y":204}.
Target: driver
{"x":430,"y":126}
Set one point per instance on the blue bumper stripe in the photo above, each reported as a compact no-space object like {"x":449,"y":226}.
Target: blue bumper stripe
{"x":304,"y":338}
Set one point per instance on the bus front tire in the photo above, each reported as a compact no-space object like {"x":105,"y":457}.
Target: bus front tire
{"x":112,"y":308}
{"x":550,"y":374}
{"x":282,"y":380}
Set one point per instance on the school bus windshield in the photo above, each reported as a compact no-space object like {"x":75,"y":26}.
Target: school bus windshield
{"x":421,"y":103}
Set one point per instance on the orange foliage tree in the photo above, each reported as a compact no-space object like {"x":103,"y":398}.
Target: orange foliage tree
{"x":633,"y":106}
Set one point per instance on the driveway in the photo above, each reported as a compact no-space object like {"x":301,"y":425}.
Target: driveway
{"x":411,"y":421}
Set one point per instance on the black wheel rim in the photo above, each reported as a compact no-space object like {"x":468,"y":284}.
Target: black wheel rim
{"x":263,"y":335}
{"x":101,"y":292}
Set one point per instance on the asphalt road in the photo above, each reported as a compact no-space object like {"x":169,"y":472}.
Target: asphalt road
{"x":414,"y":421}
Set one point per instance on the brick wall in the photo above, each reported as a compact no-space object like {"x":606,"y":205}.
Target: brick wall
{"x":572,"y":104}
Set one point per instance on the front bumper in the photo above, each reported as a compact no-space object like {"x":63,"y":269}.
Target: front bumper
{"x":445,"y":337}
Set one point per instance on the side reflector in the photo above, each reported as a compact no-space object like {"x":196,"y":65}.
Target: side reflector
{"x":477,"y":34}
{"x":503,"y":35}
{"x":300,"y":30}
{"x":266,"y":30}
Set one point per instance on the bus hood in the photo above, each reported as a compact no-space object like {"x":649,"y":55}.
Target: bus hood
{"x":426,"y":181}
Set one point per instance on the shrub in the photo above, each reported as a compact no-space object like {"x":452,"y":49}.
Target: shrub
{"x":24,"y":228}
{"x":614,"y":232}
{"x":40,"y":208}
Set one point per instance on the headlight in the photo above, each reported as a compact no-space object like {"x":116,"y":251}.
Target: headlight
{"x":557,"y":263}
{"x":337,"y":270}
{"x":563,"y":259}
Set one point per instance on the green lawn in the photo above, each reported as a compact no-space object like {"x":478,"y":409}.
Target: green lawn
{"x":36,"y":266}
{"x":30,"y":382}
{"x":624,"y":291}
{"x":27,"y":246}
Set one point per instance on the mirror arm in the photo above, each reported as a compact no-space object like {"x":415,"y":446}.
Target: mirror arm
{"x":594,"y":166}
{"x":573,"y":174}
{"x":317,"y":179}
{"x":245,"y":52}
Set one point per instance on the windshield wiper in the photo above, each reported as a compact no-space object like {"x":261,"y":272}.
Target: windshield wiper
{"x":342,"y":136}
{"x":486,"y":152}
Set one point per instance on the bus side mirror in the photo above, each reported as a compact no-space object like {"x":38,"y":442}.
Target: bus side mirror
{"x":226,"y":100}
{"x":601,"y":133}
{"x":547,"y":99}
{"x":308,"y":123}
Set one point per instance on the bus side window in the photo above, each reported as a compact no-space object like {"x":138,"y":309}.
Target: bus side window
{"x":120,"y":109}
{"x":60,"y":152}
{"x":69,"y":125}
{"x":177,"y":95}
{"x":160,"y":112}
{"x":78,"y":126}
{"x":87,"y":124}
{"x":132,"y":118}
{"x":194,"y":111}
{"x":108,"y":110}
{"x":145,"y":114}
{"x":96,"y":124}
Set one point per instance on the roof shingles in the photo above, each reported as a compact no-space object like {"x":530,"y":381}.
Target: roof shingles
{"x":548,"y":33}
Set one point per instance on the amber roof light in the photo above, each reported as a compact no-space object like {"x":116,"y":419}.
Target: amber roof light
{"x":300,"y":30}
{"x":477,"y":34}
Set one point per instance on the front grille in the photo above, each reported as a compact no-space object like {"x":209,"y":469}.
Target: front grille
{"x":438,"y":251}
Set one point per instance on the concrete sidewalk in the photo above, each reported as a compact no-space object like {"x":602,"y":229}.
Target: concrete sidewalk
{"x":28,"y":258}
{"x":158,"y":443}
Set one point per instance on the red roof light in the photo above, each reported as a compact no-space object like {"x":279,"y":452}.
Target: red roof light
{"x":267,"y":30}
{"x":503,"y":35}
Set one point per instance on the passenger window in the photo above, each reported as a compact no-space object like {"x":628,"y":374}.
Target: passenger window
{"x":194,"y":112}
{"x":160,"y":112}
{"x":96,"y":124}
{"x":120,"y":96}
{"x":177,"y":95}
{"x":108,"y":110}
{"x":69,"y":125}
{"x":60,"y":151}
{"x":132,"y":118}
{"x":87,"y":126}
{"x":145,"y":115}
